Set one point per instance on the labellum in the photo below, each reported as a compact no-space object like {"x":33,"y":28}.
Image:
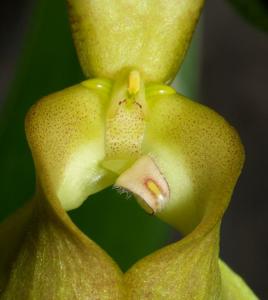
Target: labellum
{"x":125,"y":128}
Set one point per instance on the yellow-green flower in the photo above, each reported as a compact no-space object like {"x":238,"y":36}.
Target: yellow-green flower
{"x":125,"y":128}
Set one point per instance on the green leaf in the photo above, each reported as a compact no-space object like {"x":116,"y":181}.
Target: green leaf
{"x":255,"y":11}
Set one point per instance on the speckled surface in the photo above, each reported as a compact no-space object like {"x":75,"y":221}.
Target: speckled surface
{"x":150,"y":35}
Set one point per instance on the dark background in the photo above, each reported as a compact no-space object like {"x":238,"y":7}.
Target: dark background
{"x":233,"y":81}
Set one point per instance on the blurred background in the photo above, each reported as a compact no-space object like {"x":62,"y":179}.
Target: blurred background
{"x":226,"y":69}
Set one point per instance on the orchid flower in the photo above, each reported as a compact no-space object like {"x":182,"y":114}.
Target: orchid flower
{"x":125,"y":127}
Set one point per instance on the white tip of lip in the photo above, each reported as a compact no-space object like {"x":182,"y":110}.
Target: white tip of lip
{"x":144,"y":179}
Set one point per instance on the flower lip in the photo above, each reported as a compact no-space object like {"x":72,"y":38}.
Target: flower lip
{"x":145,"y":180}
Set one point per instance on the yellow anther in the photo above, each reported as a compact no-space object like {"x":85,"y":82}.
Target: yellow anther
{"x":154,"y":189}
{"x":134,"y":82}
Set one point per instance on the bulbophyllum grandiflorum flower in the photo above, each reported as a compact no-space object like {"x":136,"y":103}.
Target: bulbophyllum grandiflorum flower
{"x":125,"y":128}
